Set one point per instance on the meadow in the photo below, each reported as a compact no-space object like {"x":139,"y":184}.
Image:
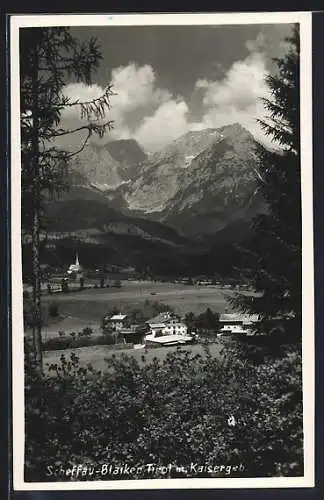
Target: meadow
{"x":87,"y":307}
{"x":97,"y":355}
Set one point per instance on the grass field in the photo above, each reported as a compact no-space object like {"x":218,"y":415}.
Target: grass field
{"x":91,"y":304}
{"x":96,"y":354}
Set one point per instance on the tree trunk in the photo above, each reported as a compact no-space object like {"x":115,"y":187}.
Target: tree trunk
{"x":37,"y":320}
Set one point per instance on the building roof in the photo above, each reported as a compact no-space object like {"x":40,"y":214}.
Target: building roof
{"x":179,"y":324}
{"x":161,"y":318}
{"x":157,"y":325}
{"x":229,"y":317}
{"x":118,"y":317}
{"x":166,"y":339}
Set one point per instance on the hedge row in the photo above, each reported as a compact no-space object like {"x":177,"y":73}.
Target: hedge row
{"x":61,"y":343}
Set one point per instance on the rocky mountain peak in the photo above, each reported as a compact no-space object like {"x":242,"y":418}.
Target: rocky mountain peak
{"x":126,"y":151}
{"x":109,"y":165}
{"x":196,"y":167}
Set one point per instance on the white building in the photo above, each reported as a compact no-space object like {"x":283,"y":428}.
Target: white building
{"x":237,"y":323}
{"x":175,"y":329}
{"x":156,"y":328}
{"x":167,"y":324}
{"x":118,"y":321}
{"x":75,"y":268}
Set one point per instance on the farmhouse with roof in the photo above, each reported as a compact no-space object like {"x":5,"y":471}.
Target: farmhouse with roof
{"x":134,"y":334}
{"x":167,"y":327}
{"x":118,"y":321}
{"x":237,"y":323}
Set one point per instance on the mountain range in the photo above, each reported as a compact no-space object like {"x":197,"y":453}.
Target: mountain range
{"x":164,"y":209}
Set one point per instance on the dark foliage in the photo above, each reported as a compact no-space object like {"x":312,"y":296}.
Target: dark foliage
{"x":72,"y":341}
{"x":207,"y":320}
{"x":186,"y":409}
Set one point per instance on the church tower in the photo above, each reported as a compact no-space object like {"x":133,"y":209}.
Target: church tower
{"x":75,"y":268}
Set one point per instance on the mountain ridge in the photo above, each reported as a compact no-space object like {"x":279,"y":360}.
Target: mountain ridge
{"x":196,"y":197}
{"x":108,"y":165}
{"x":217,"y":177}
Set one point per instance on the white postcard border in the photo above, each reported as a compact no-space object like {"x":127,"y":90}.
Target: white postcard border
{"x":305,"y":19}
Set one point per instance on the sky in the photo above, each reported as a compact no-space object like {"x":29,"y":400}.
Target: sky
{"x":169,"y":80}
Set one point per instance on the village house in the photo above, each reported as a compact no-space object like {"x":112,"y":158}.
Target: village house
{"x":237,"y":323}
{"x":118,"y":321}
{"x":167,"y":323}
{"x":175,"y":329}
{"x":163,"y":318}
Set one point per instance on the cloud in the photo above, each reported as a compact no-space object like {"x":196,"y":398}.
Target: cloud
{"x":167,"y":123}
{"x":136,"y":97}
{"x":258,"y":45}
{"x":238,"y":96}
{"x":242,"y":86}
{"x":139,"y":108}
{"x":155,"y":117}
{"x":135,"y":88}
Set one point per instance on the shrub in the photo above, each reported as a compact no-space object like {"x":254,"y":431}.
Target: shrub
{"x":73,"y":341}
{"x":106,"y":339}
{"x":108,"y":330}
{"x":57,"y":343}
{"x":186,"y":408}
{"x":86,"y":332}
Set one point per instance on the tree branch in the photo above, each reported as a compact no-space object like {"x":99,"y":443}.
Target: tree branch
{"x":70,"y":155}
{"x":62,"y":132}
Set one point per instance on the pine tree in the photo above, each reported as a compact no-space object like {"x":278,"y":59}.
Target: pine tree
{"x":47,"y":56}
{"x":271,"y":260}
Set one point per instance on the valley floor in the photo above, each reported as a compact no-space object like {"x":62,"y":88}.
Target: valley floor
{"x":87,"y":307}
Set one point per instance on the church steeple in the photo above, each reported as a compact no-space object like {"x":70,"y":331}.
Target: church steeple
{"x":75,"y":268}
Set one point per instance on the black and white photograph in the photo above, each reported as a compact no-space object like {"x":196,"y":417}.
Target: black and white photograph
{"x":162,"y":251}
